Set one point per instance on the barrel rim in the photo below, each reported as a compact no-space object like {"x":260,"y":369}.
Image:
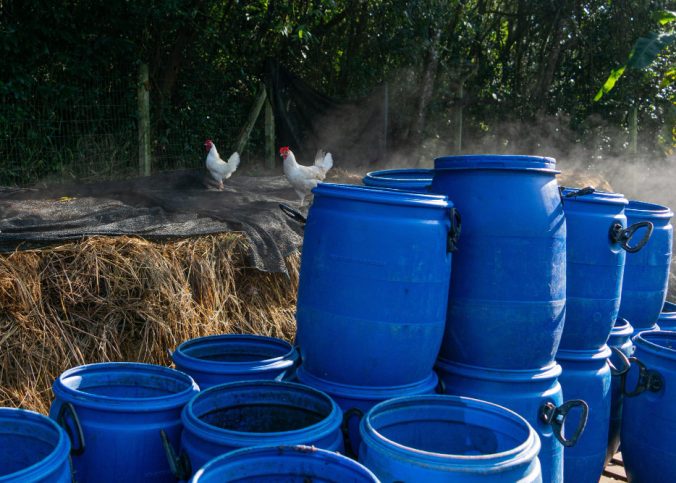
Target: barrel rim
{"x":366,"y":393}
{"x":284,"y":361}
{"x":303,"y":451}
{"x":668,"y":310}
{"x":520,"y":454}
{"x":621,"y":327}
{"x":123,"y":404}
{"x":642,"y":340}
{"x":401,"y":178}
{"x":387,"y":196}
{"x":206,"y":431}
{"x":51,"y":462}
{"x":585,"y":355}
{"x":598,"y":197}
{"x":546,"y":373}
{"x":510,"y":162}
{"x":646,"y":209}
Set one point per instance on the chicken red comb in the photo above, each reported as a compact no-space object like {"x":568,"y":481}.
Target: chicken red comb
{"x":208,"y":141}
{"x":284,"y":149}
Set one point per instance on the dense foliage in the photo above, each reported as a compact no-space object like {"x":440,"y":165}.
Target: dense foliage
{"x":521,"y":63}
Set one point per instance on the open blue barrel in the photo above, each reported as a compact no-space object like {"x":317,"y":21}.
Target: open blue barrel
{"x":586,"y":375}
{"x":667,"y":319}
{"x":507,"y":299}
{"x":32,"y":448}
{"x":219,"y":359}
{"x":374,"y":276}
{"x":597,"y":238}
{"x":418,"y":180}
{"x":355,"y":401}
{"x":648,"y":433}
{"x":290,"y":464}
{"x":115,"y":412}
{"x":534,"y":394}
{"x":257,"y":413}
{"x":646,"y":273}
{"x":446,"y":438}
{"x":620,"y":339}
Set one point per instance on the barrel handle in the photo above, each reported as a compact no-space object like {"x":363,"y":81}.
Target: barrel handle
{"x":454,"y":231}
{"x":179,"y":465}
{"x":61,"y":419}
{"x":648,"y":379}
{"x":441,"y":386}
{"x":346,"y":430}
{"x":625,"y":363}
{"x":293,"y":214}
{"x":556,"y":416}
{"x":581,"y":192}
{"x":623,"y":236}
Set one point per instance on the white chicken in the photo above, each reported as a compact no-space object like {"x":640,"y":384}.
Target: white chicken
{"x":218,"y":168}
{"x":305,"y":178}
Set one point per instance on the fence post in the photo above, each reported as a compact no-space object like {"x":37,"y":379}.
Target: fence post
{"x":253,"y":115}
{"x":144,"y":121}
{"x":633,"y":130}
{"x":269,"y":136}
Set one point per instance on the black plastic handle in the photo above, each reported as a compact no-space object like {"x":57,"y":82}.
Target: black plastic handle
{"x":179,"y":465}
{"x":623,"y":236}
{"x":581,"y":192}
{"x":626,"y":364}
{"x":61,"y":419}
{"x":345,"y":428}
{"x":454,"y":231}
{"x":556,"y":417}
{"x":648,"y":379}
{"x":293,"y":214}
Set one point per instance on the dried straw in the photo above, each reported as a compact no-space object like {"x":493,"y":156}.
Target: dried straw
{"x":128,"y":299}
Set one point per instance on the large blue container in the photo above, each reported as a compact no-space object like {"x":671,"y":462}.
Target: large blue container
{"x":258,"y":413}
{"x":533,"y":394}
{"x":620,"y":339}
{"x":586,"y":375}
{"x":374,"y":278}
{"x":355,"y":401}
{"x":289,"y":464}
{"x":594,"y":265}
{"x":649,"y":416}
{"x":447,"y":438}
{"x":114,"y":413}
{"x":219,"y":359}
{"x":32,"y":448}
{"x":667,"y":319}
{"x":646,"y":273}
{"x":508,"y":288}
{"x":418,"y":180}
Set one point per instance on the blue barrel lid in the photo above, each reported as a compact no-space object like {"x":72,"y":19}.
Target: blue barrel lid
{"x":642,"y":208}
{"x":381,"y":195}
{"x":597,"y":196}
{"x":412,"y":178}
{"x":496,"y":162}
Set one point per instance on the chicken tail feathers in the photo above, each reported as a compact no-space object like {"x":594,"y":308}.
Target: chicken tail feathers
{"x":324,"y":161}
{"x":233,"y":160}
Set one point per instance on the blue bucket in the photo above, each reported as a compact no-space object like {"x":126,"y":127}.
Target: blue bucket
{"x":586,"y":375}
{"x":374,"y":278}
{"x":219,"y":359}
{"x":648,"y":432}
{"x":32,"y":448}
{"x":507,"y":298}
{"x":258,"y":413}
{"x":534,"y":394}
{"x":596,"y":244}
{"x":121,"y":409}
{"x":620,"y":339}
{"x":290,"y":464}
{"x":667,"y":319}
{"x":447,"y":438}
{"x":355,"y":401}
{"x":646,"y":273}
{"x":418,"y":180}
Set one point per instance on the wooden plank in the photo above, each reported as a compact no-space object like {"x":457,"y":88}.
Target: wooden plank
{"x":144,"y":121}
{"x":253,"y":115}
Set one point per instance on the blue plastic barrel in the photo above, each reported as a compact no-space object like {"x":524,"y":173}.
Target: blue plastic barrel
{"x":620,"y":339}
{"x":32,"y":448}
{"x":355,"y":401}
{"x":290,"y":464}
{"x":646,"y":273}
{"x":507,"y":298}
{"x":667,"y":319}
{"x":418,"y":180}
{"x":586,"y":375}
{"x":595,"y":256}
{"x":447,"y":438}
{"x":258,"y":413}
{"x":114,"y":413}
{"x":649,"y":417}
{"x":374,"y":277}
{"x":218,"y":359}
{"x":534,"y":394}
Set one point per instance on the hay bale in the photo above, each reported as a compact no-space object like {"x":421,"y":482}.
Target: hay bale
{"x":128,"y":299}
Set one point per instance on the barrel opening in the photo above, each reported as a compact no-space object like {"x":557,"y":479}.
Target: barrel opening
{"x":235,"y":352}
{"x":661,"y":338}
{"x":24,"y":443}
{"x":263,"y":418}
{"x":127,"y":384}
